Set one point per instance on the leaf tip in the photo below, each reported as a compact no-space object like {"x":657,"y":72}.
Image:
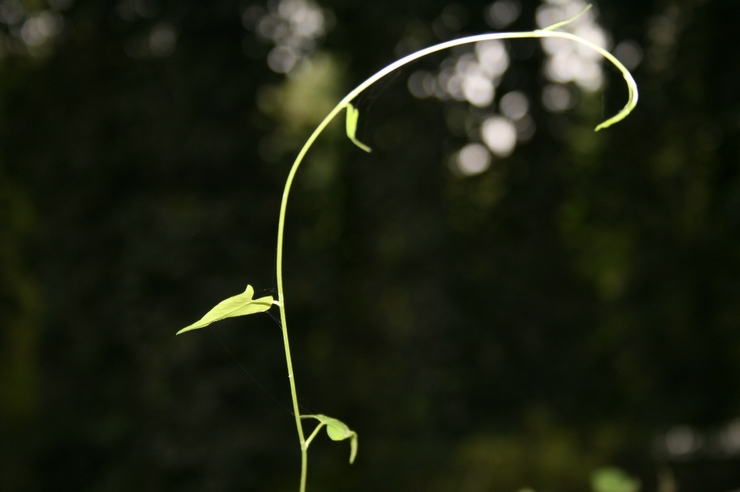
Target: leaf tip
{"x":353,"y":448}
{"x":188,"y":328}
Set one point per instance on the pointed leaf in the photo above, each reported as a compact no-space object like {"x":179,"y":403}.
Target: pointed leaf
{"x":239,"y":305}
{"x":353,"y":114}
{"x":338,"y":431}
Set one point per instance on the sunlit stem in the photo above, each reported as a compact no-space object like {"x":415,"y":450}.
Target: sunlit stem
{"x":540,"y":33}
{"x":313,"y":434}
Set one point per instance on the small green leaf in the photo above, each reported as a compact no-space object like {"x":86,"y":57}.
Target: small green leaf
{"x":338,"y":431}
{"x":353,"y":114}
{"x":239,"y":305}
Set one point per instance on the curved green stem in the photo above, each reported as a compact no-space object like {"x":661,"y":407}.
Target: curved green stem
{"x":540,"y":33}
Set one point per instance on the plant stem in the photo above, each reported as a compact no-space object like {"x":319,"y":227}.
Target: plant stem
{"x":281,"y":295}
{"x":539,"y":33}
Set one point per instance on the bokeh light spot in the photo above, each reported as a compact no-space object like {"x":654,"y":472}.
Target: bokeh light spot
{"x":282,"y":59}
{"x":557,"y":98}
{"x":421,"y":84}
{"x":294,"y":26}
{"x":41,"y":27}
{"x":730,"y":437}
{"x":163,"y":39}
{"x":11,"y":12}
{"x":478,"y":90}
{"x":629,"y":53}
{"x":514,"y":105}
{"x":493,"y":57}
{"x":681,"y":440}
{"x":502,"y":13}
{"x":473,"y":159}
{"x":499,"y":134}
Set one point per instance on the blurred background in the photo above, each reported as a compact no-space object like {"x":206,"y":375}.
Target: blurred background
{"x":496,"y":298}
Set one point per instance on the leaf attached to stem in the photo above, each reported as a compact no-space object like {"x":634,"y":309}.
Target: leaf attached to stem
{"x":239,"y":305}
{"x":353,"y":114}
{"x":337,"y":431}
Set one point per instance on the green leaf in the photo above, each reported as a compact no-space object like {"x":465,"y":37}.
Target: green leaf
{"x":239,"y":305}
{"x":338,"y":431}
{"x":353,"y":114}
